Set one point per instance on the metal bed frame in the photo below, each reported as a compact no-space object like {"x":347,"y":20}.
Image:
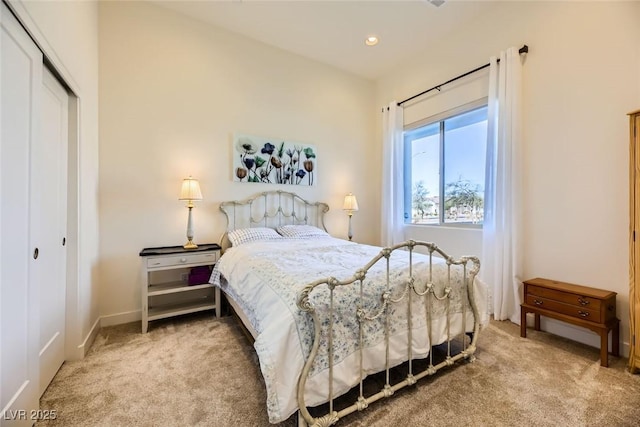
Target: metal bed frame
{"x":426,"y":292}
{"x":276,"y":208}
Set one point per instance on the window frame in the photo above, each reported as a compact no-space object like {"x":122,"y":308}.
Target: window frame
{"x":406,"y":176}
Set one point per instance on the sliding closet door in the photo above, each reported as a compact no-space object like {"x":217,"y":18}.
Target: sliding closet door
{"x":21,"y":80}
{"x":50,"y":220}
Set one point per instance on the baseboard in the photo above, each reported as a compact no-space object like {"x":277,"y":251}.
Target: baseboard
{"x":102,"y":321}
{"x":91,"y":337}
{"x":120,"y":318}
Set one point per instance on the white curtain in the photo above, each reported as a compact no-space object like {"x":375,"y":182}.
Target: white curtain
{"x":392,"y":216}
{"x":501,"y":233}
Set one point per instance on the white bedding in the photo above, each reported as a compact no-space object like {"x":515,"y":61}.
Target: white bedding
{"x":264,"y":279}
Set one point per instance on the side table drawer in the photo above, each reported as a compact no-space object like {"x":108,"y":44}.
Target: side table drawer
{"x":587,"y":302}
{"x":559,"y":307}
{"x":182,"y":259}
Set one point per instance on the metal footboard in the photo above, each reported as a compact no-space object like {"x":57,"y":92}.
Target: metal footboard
{"x":424,"y":290}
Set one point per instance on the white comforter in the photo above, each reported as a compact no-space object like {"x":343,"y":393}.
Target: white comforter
{"x":264,"y":278}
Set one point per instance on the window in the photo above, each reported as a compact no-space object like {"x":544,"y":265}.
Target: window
{"x":445,"y":168}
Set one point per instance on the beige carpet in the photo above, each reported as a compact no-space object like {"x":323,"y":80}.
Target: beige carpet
{"x":202,"y":371}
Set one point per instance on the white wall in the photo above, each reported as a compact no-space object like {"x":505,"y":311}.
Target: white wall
{"x":68,"y":34}
{"x":173,"y":90}
{"x":580,"y":80}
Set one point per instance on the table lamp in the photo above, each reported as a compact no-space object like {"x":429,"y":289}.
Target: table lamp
{"x":350,"y":205}
{"x":190,"y":192}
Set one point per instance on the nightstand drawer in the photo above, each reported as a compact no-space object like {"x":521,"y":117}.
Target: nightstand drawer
{"x":568,"y":309}
{"x":568,"y":298}
{"x":182,"y":259}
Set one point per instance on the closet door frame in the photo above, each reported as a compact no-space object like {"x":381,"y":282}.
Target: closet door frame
{"x":634,"y":237}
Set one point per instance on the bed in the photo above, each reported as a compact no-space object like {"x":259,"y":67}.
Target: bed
{"x":326,"y":313}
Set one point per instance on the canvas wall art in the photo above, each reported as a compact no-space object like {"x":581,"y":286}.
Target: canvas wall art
{"x":273,"y":161}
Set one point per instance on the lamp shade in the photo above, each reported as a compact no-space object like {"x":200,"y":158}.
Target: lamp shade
{"x":350,"y":203}
{"x":190,"y":189}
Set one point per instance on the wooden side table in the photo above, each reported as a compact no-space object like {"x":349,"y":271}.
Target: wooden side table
{"x":591,"y":308}
{"x":166,"y":288}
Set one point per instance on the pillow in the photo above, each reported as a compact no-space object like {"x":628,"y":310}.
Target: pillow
{"x":248,"y":235}
{"x":301,"y":231}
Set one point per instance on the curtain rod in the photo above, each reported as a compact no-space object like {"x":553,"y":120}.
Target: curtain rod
{"x":523,"y":49}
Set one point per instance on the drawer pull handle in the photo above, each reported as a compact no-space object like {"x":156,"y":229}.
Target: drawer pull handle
{"x":537,"y":302}
{"x":583,"y":313}
{"x":183,"y":260}
{"x":156,"y":263}
{"x":583,"y":302}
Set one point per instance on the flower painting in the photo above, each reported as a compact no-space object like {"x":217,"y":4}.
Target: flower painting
{"x":273,"y":161}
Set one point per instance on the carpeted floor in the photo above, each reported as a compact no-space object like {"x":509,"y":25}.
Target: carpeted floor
{"x":201,"y":371}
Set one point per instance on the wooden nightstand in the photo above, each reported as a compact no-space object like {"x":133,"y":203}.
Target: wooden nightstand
{"x":591,"y":308}
{"x":167,"y":273}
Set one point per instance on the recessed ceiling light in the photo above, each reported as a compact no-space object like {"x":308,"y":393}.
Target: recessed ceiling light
{"x":371,"y":41}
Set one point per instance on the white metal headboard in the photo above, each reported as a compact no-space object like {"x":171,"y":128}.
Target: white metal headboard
{"x":272,"y":209}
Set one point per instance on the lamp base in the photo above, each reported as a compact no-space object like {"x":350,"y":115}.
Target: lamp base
{"x":190,"y":245}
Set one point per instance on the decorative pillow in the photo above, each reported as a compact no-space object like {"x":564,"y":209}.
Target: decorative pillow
{"x":301,"y":231}
{"x":248,"y":235}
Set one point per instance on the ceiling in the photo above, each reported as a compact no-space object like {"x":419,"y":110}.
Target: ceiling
{"x":333,"y":32}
